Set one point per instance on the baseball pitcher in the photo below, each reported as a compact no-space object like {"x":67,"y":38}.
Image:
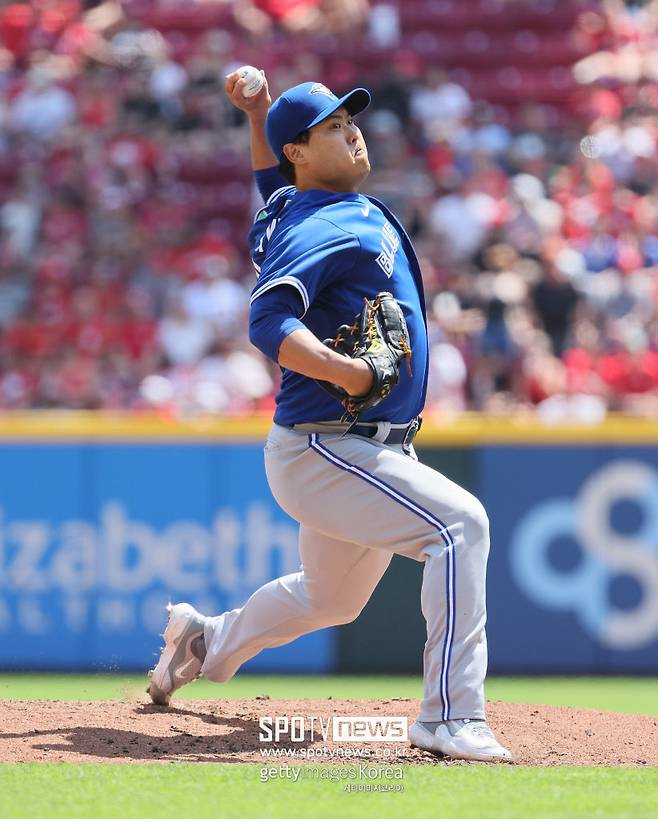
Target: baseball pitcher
{"x":338,"y":303}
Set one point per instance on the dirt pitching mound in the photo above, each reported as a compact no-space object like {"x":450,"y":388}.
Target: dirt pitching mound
{"x":228,"y":731}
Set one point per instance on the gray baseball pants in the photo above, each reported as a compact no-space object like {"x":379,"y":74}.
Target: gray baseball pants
{"x":359,"y":502}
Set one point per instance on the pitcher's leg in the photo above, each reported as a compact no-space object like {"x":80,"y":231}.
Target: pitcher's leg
{"x":454,"y":606}
{"x":334,"y":583}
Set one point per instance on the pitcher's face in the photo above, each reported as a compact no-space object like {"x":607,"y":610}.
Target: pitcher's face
{"x":335,"y":156}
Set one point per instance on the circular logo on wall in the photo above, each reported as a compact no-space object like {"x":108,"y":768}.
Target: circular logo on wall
{"x":609,"y":533}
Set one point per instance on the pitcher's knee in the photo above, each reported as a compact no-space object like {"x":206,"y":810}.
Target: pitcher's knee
{"x":335,"y":613}
{"x":476,"y":520}
{"x":347,"y":615}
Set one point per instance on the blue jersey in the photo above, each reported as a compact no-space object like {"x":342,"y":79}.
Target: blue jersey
{"x":335,"y":249}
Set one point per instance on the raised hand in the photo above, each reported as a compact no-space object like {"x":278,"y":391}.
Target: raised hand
{"x":257,"y":105}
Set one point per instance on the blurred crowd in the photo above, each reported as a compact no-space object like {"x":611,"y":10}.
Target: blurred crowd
{"x":125,"y":197}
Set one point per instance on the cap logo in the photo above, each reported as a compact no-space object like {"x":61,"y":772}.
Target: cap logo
{"x":318,"y":88}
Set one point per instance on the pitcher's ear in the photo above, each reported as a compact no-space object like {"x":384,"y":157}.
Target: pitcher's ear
{"x":294,"y":153}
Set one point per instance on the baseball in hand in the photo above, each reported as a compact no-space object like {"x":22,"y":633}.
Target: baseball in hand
{"x":254,"y":80}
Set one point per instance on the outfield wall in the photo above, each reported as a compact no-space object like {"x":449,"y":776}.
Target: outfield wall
{"x":105,"y":518}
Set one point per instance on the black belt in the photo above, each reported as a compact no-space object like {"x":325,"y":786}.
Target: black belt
{"x":398,"y":435}
{"x":374,"y":429}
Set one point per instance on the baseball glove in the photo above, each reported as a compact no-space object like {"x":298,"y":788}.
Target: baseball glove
{"x":380,"y":337}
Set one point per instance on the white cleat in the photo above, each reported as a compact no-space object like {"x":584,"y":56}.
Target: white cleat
{"x":182,"y":656}
{"x":460,"y":739}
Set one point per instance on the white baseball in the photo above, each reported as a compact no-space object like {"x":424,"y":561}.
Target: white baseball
{"x":590,"y":146}
{"x":254,"y":80}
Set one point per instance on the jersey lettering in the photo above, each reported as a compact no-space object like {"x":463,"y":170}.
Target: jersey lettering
{"x":269,"y":230}
{"x":390,"y":244}
{"x":266,"y":221}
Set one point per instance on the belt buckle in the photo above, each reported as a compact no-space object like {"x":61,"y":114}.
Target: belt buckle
{"x":410,"y":434}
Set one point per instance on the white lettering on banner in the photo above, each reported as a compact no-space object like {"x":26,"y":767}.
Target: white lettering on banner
{"x":121,"y":557}
{"x":31,"y":617}
{"x":76,"y":613}
{"x":151,"y":607}
{"x":263,"y":537}
{"x":28,"y":614}
{"x":184,"y":555}
{"x":116,"y":614}
{"x":74,"y":564}
{"x":33,"y":538}
{"x":121,"y":537}
{"x":226,"y":528}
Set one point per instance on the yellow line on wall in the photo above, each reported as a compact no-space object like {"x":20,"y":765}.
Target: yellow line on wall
{"x":50,"y":425}
{"x":471,"y":429}
{"x":468,"y":429}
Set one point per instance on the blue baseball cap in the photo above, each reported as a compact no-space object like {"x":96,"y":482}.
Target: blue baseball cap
{"x":303,"y":106}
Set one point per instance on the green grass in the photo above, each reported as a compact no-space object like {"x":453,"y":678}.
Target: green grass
{"x":218,"y":791}
{"x":627,"y":694}
{"x":632,"y":695}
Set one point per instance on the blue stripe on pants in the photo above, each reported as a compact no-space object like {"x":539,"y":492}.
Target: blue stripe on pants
{"x":443,"y":530}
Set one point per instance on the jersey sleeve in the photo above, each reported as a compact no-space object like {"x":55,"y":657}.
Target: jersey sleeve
{"x":308,"y":257}
{"x":269,"y":181}
{"x":273,"y":317}
{"x":265,"y":223}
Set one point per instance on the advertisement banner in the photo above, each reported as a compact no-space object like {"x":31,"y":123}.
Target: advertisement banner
{"x":573,"y":569}
{"x":95,"y":539}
